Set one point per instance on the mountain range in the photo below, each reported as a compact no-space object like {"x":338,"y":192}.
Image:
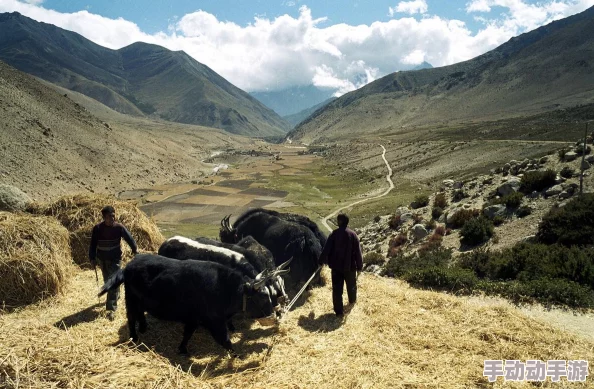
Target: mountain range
{"x":549,"y":68}
{"x":140,"y":79}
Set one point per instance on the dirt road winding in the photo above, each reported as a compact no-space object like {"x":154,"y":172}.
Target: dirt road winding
{"x":391,"y":186}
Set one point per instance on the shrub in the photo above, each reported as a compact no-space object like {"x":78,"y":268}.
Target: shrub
{"x":478,"y":261}
{"x":440,"y":230}
{"x":395,"y":222}
{"x":430,"y":224}
{"x":432,"y":244}
{"x":440,"y":201}
{"x":400,"y":264}
{"x":420,"y":202}
{"x":395,"y":244}
{"x":436,"y":213}
{"x":459,"y":195}
{"x":374,"y":258}
{"x":567,"y":172}
{"x":498,"y":220}
{"x":451,"y":279}
{"x":537,"y":181}
{"x":561,"y":154}
{"x":417,"y":218}
{"x":524,"y":211}
{"x":572,"y":224}
{"x":377,"y":218}
{"x":513,"y":200}
{"x":460,"y":218}
{"x":545,"y":291}
{"x":476,"y":231}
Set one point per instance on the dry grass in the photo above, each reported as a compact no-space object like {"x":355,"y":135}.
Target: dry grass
{"x":80,"y":213}
{"x":35,"y":258}
{"x":396,"y":337}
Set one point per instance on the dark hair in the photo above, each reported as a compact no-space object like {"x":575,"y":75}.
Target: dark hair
{"x":342,"y":219}
{"x":107,"y":210}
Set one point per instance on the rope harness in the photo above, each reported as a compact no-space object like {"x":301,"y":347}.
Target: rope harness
{"x":290,"y":305}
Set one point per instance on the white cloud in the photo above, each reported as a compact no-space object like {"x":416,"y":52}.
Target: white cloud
{"x":410,"y":7}
{"x":273,"y":54}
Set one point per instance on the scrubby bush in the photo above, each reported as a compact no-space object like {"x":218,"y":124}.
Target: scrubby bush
{"x":440,"y":201}
{"x":498,"y":220}
{"x":572,"y":224}
{"x":567,"y":172}
{"x":436,"y":213}
{"x":512,"y":200}
{"x":461,"y":217}
{"x":395,"y":222}
{"x":417,"y":218}
{"x":374,"y":258}
{"x":561,"y":153}
{"x":450,"y":279}
{"x":476,"y":231}
{"x":377,"y":218}
{"x":430,"y":224}
{"x":545,"y":291}
{"x":395,"y":244}
{"x":440,"y":230}
{"x":420,"y":202}
{"x":432,"y":244}
{"x":524,"y":211}
{"x":537,"y":181}
{"x":459,"y":195}
{"x":400,"y":264}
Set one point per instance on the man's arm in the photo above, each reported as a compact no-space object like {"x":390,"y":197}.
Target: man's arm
{"x":326,"y":251}
{"x":93,"y":246}
{"x":129,"y":239}
{"x":358,"y":255}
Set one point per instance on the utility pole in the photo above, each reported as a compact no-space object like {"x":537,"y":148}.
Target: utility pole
{"x":583,"y":159}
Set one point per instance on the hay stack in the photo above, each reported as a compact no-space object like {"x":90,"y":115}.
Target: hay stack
{"x":35,"y":259}
{"x":80,"y":213}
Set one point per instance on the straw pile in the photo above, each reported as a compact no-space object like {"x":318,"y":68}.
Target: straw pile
{"x":80,"y":213}
{"x":35,"y":259}
{"x":396,"y":337}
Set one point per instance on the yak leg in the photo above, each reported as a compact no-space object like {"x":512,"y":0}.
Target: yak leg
{"x":132,"y":308}
{"x":142,"y":322}
{"x":230,"y":325}
{"x":188,"y":332}
{"x":218,"y":330}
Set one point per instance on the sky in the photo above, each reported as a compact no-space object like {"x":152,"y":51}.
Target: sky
{"x":336,"y":45}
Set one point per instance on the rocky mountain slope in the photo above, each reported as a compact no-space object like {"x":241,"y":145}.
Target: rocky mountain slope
{"x":548,"y":68}
{"x":51,"y":145}
{"x":140,"y":79}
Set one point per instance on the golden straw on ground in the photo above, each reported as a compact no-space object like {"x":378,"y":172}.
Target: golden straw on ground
{"x":35,"y":259}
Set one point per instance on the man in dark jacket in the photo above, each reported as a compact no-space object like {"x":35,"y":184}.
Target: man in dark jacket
{"x":105,"y":248}
{"x":342,"y":253}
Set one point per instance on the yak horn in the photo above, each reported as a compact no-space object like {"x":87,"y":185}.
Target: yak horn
{"x":284,"y":265}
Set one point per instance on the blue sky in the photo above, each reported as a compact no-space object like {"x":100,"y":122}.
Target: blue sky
{"x":153,"y":16}
{"x":335,"y":45}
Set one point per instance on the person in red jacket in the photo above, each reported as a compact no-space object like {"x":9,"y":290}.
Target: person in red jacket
{"x":105,"y":247}
{"x":342,"y":253}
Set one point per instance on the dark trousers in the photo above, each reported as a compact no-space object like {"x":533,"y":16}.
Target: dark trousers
{"x":339,"y":278}
{"x":108,"y":268}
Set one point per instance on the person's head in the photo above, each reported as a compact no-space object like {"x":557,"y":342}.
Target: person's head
{"x":108,"y":213}
{"x":342,"y":220}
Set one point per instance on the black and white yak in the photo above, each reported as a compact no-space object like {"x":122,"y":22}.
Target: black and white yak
{"x":285,"y":235}
{"x":248,"y":261}
{"x":190,"y":292}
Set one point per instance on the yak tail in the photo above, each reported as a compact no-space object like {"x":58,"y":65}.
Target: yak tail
{"x":113,"y":282}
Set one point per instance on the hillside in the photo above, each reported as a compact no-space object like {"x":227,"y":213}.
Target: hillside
{"x":298,"y":117}
{"x":140,"y":79}
{"x":53,"y":145}
{"x":549,"y":68}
